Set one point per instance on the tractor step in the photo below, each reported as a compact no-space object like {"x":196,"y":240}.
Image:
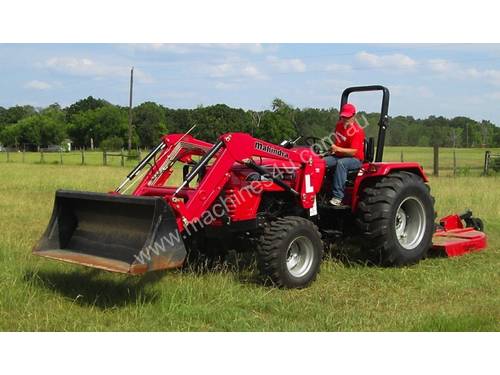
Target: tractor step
{"x":332,"y":233}
{"x":330,"y":208}
{"x":456,"y":242}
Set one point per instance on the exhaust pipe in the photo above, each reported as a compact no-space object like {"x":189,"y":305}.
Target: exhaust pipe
{"x":125,"y":234}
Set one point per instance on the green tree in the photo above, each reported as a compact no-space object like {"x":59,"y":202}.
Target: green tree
{"x":53,"y":129}
{"x":9,"y":135}
{"x":218,"y":119}
{"x":16,"y":113}
{"x":178,"y":120}
{"x":423,"y":141}
{"x":111,"y":144}
{"x":150,"y":123}
{"x":99,"y":124}
{"x":29,"y":130}
{"x":275,"y":127}
{"x":413,"y":134}
{"x":84,"y":105}
{"x":315,"y":122}
{"x":3,"y":111}
{"x":278,"y":124}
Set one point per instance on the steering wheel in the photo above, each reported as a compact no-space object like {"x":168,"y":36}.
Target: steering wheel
{"x":317,"y":145}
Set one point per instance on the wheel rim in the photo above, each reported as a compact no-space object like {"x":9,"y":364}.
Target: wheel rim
{"x":299,"y":256}
{"x":410,"y":223}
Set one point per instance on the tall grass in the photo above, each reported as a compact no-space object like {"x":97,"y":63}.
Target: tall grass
{"x":439,"y":294}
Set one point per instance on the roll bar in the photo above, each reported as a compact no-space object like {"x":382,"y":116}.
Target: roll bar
{"x":384,"y":117}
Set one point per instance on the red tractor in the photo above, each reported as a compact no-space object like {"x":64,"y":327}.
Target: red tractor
{"x":244,"y":193}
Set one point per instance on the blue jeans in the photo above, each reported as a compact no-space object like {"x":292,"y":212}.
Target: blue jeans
{"x":340,"y":175}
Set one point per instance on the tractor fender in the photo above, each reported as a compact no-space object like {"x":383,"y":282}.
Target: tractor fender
{"x":370,"y":171}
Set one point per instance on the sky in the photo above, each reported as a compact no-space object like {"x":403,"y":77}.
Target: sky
{"x":424,"y":79}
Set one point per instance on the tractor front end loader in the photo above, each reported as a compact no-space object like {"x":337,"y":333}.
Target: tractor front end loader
{"x":245,"y":194}
{"x":178,"y":200}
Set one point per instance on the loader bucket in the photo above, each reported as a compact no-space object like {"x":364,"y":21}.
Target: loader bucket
{"x":117,"y":233}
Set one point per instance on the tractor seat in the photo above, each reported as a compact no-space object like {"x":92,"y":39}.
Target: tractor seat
{"x":369,"y":153}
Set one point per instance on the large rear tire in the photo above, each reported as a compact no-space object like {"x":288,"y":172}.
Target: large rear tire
{"x":290,"y":252}
{"x":396,"y":219}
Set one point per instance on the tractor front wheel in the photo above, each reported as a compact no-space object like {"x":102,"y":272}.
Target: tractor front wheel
{"x":290,"y":252}
{"x":396,"y":219}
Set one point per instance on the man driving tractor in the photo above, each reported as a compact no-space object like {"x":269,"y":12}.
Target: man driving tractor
{"x":347,"y":151}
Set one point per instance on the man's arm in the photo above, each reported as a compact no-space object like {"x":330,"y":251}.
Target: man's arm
{"x":344,"y":151}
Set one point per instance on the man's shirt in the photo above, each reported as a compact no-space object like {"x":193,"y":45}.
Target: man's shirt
{"x":352,"y":136}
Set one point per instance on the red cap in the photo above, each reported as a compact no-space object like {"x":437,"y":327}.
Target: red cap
{"x":348,"y":110}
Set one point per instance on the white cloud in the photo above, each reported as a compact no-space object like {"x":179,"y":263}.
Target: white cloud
{"x":287,"y":65}
{"x":441,"y":65}
{"x":38,"y":85}
{"x":493,"y":95}
{"x":235,"y":69}
{"x":338,"y":68}
{"x":449,"y":69}
{"x":92,"y":68}
{"x":221,"y":70}
{"x":412,"y":91}
{"x":176,"y":95}
{"x":490,"y":75}
{"x":251,"y":71}
{"x":394,"y":61}
{"x":226,"y":86}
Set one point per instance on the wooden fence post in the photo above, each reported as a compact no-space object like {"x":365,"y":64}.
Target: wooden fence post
{"x":486,"y":162}
{"x":402,"y":157}
{"x":436,"y":160}
{"x":454,"y":163}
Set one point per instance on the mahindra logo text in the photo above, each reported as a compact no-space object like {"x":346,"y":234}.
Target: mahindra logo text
{"x":271,"y":150}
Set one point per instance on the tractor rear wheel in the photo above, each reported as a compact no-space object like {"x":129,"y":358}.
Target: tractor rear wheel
{"x":290,"y":252}
{"x":396,"y":219}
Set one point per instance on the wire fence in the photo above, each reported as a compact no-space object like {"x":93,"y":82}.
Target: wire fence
{"x":81,"y":157}
{"x":451,"y":162}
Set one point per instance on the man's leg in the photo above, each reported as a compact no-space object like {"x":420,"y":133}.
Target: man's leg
{"x":340,"y":176}
{"x":331,"y":161}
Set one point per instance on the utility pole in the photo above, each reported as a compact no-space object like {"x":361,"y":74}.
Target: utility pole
{"x":454,"y":137}
{"x":130,"y":110}
{"x":485,"y":132}
{"x":454,"y":140}
{"x":91,"y":139}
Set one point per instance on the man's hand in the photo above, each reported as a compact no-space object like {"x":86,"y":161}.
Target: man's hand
{"x":334,"y":148}
{"x":343,"y":151}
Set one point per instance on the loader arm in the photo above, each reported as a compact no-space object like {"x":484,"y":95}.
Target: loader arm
{"x":230,"y":148}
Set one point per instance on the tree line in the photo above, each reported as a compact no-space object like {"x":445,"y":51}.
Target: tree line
{"x":96,"y":122}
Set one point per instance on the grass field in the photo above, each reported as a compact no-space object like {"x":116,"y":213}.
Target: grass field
{"x":458,"y":294}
